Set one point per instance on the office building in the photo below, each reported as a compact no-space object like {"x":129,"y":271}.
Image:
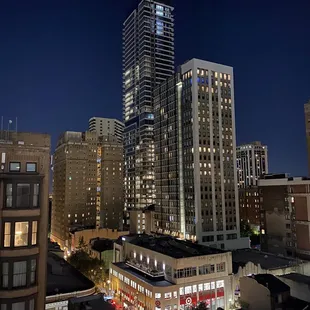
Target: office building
{"x":252,"y":162}
{"x":166,"y":273}
{"x":195,"y":155}
{"x":148,"y":59}
{"x":24,"y":182}
{"x":88,"y":184}
{"x":307,"y":123}
{"x":285,"y":213}
{"x":107,"y":127}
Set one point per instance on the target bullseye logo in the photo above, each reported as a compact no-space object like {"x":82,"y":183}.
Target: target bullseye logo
{"x":188,"y":300}
{"x":157,"y":303}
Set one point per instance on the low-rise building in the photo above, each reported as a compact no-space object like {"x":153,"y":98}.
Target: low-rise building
{"x":86,"y":235}
{"x":161,"y":272}
{"x":263,"y":291}
{"x":299,"y":285}
{"x":101,"y":249}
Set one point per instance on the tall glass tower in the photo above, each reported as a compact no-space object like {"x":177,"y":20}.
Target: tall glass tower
{"x":148,"y":60}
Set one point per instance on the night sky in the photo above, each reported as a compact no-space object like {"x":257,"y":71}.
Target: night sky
{"x":61,"y":62}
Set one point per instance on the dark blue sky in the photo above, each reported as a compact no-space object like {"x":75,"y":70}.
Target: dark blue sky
{"x":60,"y":64}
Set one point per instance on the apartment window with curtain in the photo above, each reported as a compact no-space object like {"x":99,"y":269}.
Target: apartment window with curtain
{"x":21,"y":234}
{"x":34,"y":232}
{"x":22,"y":195}
{"x":7,"y":235}
{"x":19,"y":274}
{"x":5,"y":275}
{"x":19,"y":306}
{"x":9,"y":196}
{"x":35,"y":197}
{"x":33,"y":271}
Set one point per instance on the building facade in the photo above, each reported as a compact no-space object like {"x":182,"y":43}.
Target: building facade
{"x":88,"y":184}
{"x":148,"y":59}
{"x":166,"y":273}
{"x":111,"y":178}
{"x":107,"y":127}
{"x":24,"y":183}
{"x":195,"y":155}
{"x":285,"y":210}
{"x":307,"y":124}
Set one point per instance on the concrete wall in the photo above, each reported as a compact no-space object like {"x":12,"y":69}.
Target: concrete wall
{"x":255,"y":295}
{"x":298,"y":290}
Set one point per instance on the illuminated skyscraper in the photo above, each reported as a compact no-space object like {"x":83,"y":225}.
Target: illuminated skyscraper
{"x":195,"y":156}
{"x":148,"y":60}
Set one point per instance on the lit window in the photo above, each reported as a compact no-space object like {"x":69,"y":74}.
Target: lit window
{"x":175,"y":294}
{"x":14,"y":167}
{"x":19,"y":274}
{"x":157,"y":295}
{"x":168,"y":295}
{"x":34,"y":232}
{"x":23,"y":195}
{"x":7,"y":235}
{"x":31,"y":167}
{"x":21,"y":234}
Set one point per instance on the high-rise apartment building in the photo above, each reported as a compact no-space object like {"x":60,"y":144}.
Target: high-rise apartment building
{"x":24,"y":182}
{"x":88,"y":184}
{"x":252,"y":163}
{"x":285,"y":210}
{"x":107,"y":127}
{"x":307,"y":123}
{"x":195,"y":155}
{"x":148,"y":60}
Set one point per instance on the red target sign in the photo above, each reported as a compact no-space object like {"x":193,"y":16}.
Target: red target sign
{"x":188,"y":300}
{"x":157,"y":303}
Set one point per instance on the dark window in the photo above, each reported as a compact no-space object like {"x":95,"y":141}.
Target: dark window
{"x":31,"y":167}
{"x":35,"y":198}
{"x":23,"y":195}
{"x":9,"y":196}
{"x":15,"y":167}
{"x":19,"y":274}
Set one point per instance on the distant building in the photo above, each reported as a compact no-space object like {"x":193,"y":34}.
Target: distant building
{"x":142,"y":220}
{"x":252,"y":162}
{"x":285,"y":213}
{"x":107,"y":127}
{"x":24,"y":183}
{"x":195,"y":156}
{"x":152,"y":272}
{"x":307,"y":123}
{"x":88,"y":184}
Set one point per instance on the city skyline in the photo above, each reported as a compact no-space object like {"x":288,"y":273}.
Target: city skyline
{"x":83,"y":72}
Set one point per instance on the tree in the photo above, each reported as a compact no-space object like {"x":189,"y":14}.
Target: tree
{"x":202,"y":306}
{"x":92,"y":268}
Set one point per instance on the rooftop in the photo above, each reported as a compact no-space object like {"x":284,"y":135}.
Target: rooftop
{"x":274,"y":285}
{"x":63,"y":278}
{"x":101,"y":244}
{"x":297,"y":277}
{"x":266,"y":260}
{"x":142,"y":276}
{"x":96,"y":302}
{"x":172,"y":247}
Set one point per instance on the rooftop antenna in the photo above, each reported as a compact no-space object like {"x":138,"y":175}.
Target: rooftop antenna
{"x":16,"y":124}
{"x":8,"y":134}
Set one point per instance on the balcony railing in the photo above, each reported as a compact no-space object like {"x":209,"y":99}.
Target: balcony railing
{"x":152,"y":272}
